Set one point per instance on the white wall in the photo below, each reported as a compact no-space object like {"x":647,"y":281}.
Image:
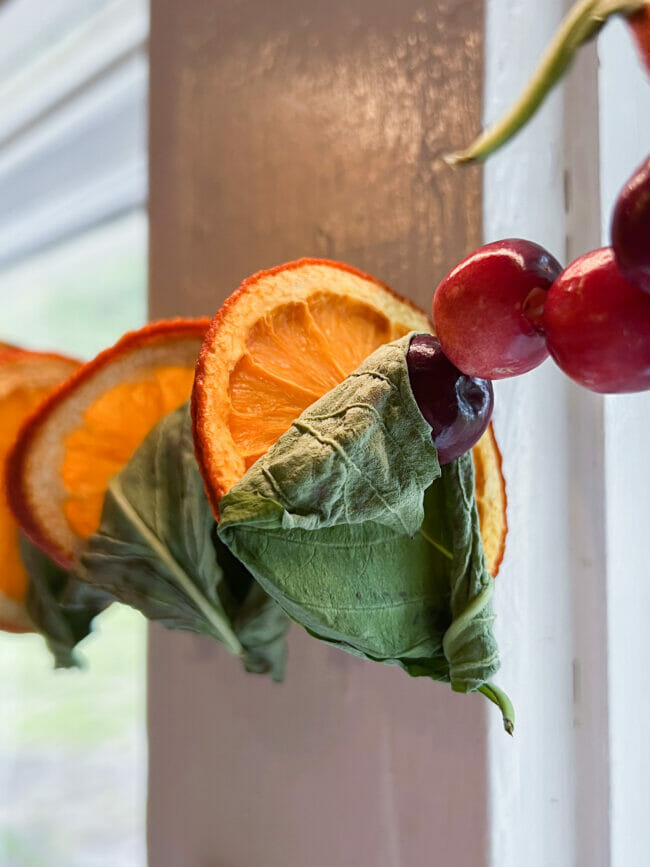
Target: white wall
{"x":573,"y":596}
{"x":625,"y":142}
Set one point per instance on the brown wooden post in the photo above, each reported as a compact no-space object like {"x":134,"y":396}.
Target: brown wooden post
{"x":278,"y":130}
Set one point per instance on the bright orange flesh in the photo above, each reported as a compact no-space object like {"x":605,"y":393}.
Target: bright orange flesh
{"x":283,"y":339}
{"x":113,"y":427}
{"x":87,"y":430}
{"x":295,"y":354}
{"x":14,"y":408}
{"x":26,"y":378}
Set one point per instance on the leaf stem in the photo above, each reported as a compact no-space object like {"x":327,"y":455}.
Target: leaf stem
{"x":504,"y":704}
{"x":461,"y":623}
{"x":218,"y":620}
{"x":582,"y":22}
{"x":444,"y":551}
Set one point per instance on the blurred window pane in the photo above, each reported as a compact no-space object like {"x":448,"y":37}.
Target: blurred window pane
{"x":72,"y":121}
{"x":79,"y":296}
{"x":73,"y":248}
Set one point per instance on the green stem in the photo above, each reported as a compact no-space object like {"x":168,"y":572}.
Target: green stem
{"x":217,"y":619}
{"x":504,"y":704}
{"x":582,"y":22}
{"x":436,"y":545}
{"x":458,"y":626}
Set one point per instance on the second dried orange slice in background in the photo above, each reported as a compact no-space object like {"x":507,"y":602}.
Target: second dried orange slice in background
{"x":281,"y":341}
{"x":26,"y":378}
{"x":87,"y":430}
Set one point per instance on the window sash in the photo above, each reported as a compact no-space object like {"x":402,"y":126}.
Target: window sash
{"x":73,"y":131}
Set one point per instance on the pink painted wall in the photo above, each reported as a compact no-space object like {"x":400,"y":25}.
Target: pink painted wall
{"x":283,"y":129}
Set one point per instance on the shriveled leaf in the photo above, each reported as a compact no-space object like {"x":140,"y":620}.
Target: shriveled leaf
{"x":61,"y":607}
{"x":349,"y":523}
{"x":155,"y":550}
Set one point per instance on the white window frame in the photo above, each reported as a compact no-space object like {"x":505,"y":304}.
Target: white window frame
{"x":58,"y":177}
{"x":573,"y":598}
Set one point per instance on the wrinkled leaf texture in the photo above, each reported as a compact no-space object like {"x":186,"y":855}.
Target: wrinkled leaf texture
{"x":350,"y":524}
{"x":61,"y":608}
{"x":157,"y":550}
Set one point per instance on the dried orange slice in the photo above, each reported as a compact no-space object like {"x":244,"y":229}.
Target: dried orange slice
{"x":491,"y":500}
{"x":26,"y":378}
{"x":281,"y":341}
{"x":87,"y":430}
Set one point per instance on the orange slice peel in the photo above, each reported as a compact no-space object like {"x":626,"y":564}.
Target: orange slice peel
{"x":88,"y":428}
{"x":491,"y":498}
{"x":26,"y":378}
{"x":282,"y":340}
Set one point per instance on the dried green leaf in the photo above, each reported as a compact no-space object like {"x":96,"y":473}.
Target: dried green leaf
{"x":155,"y":550}
{"x":61,"y":607}
{"x":349,"y":523}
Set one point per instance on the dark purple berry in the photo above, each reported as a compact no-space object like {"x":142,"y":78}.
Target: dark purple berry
{"x":458,"y":407}
{"x":631,"y":228}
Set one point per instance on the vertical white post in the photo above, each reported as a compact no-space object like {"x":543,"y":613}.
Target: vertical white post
{"x":549,"y":793}
{"x":625,"y":137}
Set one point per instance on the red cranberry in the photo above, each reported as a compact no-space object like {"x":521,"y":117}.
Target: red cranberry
{"x":631,"y":228}
{"x":488,"y":310}
{"x":640,"y":24}
{"x":597,"y":325}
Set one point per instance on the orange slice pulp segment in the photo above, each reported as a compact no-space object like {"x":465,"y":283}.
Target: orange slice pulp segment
{"x":89,"y":428}
{"x":26,"y":378}
{"x":111,"y":441}
{"x":281,"y":341}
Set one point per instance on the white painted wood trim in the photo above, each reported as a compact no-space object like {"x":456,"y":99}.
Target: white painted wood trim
{"x":625,"y":138}
{"x":531,"y":780}
{"x":574,"y":591}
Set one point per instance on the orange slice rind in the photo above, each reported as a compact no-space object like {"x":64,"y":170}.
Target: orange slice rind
{"x":282,"y":340}
{"x":89,"y":427}
{"x":26,"y":378}
{"x":491,"y":499}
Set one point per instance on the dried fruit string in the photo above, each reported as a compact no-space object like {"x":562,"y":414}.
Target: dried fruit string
{"x":582,"y":23}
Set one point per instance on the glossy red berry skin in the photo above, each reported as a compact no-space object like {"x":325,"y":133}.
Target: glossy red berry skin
{"x":631,"y":228}
{"x":640,"y":24}
{"x":487,"y":311}
{"x":458,"y":407}
{"x":598,"y":325}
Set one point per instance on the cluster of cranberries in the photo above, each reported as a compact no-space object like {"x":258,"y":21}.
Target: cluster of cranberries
{"x":509,"y":304}
{"x":501,"y":310}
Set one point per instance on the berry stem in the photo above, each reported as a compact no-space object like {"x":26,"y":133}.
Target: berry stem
{"x":504,"y":704}
{"x":582,"y":22}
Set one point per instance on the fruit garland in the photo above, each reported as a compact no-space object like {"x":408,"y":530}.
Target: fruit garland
{"x":593,"y":318}
{"x":519,"y":306}
{"x":366,"y":521}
